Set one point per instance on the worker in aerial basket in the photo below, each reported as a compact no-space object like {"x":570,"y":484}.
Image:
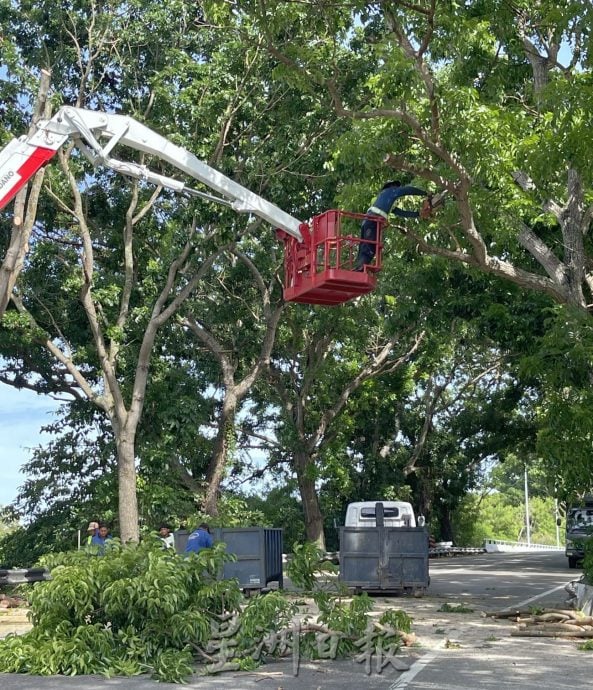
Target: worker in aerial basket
{"x":382,"y":207}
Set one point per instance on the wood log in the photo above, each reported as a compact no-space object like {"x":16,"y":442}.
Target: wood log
{"x":569,"y":626}
{"x":585,"y":620}
{"x":516,"y":613}
{"x":560,"y":617}
{"x":539,"y":632}
{"x":528,"y":613}
{"x":556,"y":626}
{"x":571,"y":613}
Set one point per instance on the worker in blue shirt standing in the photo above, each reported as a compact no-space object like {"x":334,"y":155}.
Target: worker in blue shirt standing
{"x":101,"y":538}
{"x":381,"y":208}
{"x":199,"y":539}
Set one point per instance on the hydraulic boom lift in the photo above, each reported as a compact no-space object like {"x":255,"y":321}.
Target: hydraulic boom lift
{"x":319,"y":256}
{"x":21,"y":159}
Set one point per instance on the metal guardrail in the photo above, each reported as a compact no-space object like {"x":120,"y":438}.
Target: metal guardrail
{"x":490,"y":546}
{"x":503,"y":545}
{"x":442,"y":551}
{"x":20,"y":576}
{"x":435,"y":552}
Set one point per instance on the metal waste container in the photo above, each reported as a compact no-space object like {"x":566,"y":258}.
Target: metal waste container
{"x":180,"y":537}
{"x":386,"y":559}
{"x":258,"y":551}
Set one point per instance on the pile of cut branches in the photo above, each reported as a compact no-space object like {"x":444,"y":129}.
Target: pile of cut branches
{"x":548,"y":623}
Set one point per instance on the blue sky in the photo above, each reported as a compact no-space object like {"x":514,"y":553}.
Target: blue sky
{"x":22,"y":414}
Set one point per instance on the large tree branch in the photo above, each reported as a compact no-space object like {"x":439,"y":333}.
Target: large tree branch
{"x":573,"y":220}
{"x":195,"y":486}
{"x":316,"y":354}
{"x":542,"y":254}
{"x":376,"y":366}
{"x":219,"y":351}
{"x":432,"y":396}
{"x":25,"y":212}
{"x":65,"y":360}
{"x":492,"y":265}
{"x":574,"y":249}
{"x":399,"y":162}
{"x":160,"y":314}
{"x":528,"y":185}
{"x":112,"y":387}
{"x":416,"y":55}
{"x":403,"y":116}
{"x":61,"y":388}
{"x":133,"y":217}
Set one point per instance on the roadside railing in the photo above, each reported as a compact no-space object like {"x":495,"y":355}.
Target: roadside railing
{"x":20,"y":576}
{"x":505,"y":546}
{"x":442,"y":551}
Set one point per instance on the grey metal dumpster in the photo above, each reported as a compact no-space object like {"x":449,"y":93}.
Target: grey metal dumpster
{"x":259,"y":555}
{"x":386,"y":559}
{"x":258,"y":551}
{"x":180,"y":537}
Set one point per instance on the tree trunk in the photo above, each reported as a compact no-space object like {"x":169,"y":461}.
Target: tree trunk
{"x":446,"y":526}
{"x":425,"y":497}
{"x":128,"y":501}
{"x":216,"y":468}
{"x":311,"y":508}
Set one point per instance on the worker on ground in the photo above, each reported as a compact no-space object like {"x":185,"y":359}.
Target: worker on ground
{"x":92,"y":530}
{"x":381,"y":208}
{"x":166,"y":536}
{"x":199,"y":539}
{"x":101,"y":538}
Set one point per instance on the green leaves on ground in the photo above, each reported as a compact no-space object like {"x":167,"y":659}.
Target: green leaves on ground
{"x":138,"y":609}
{"x":141,"y":609}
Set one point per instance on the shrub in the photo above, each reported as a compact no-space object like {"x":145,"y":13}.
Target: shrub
{"x":136,"y":609}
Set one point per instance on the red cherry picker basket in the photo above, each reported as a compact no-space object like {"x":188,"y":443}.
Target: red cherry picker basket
{"x":320,"y":269}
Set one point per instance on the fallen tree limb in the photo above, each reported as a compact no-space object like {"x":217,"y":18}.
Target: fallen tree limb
{"x":552,"y":616}
{"x":552,"y":627}
{"x":517,"y":613}
{"x":524,"y":614}
{"x":585,"y":620}
{"x":540,"y":632}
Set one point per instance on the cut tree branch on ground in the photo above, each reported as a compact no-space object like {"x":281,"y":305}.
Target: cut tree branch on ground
{"x":548,"y":623}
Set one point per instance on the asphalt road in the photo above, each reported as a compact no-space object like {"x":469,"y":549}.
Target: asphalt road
{"x":454,"y":650}
{"x":496,"y":581}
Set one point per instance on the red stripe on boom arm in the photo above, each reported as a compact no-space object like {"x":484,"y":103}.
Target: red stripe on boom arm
{"x":13,"y":179}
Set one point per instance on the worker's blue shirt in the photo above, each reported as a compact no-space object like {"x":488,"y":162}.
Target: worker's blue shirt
{"x":97,"y":540}
{"x":388,"y":197}
{"x":99,"y":543}
{"x":198,"y":540}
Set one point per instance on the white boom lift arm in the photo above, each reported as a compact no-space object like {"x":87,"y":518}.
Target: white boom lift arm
{"x":21,"y":158}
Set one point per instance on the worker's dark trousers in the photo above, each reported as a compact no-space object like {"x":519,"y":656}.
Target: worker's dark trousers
{"x":366,"y":250}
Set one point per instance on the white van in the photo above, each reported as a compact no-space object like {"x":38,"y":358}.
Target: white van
{"x":395,"y":513}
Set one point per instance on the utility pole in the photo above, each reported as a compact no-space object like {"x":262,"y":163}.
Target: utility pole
{"x":527,"y":510}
